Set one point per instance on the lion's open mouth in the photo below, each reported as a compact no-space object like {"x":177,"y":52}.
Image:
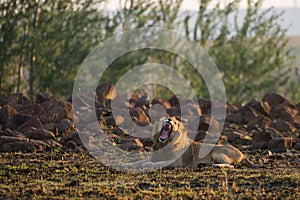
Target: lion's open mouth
{"x":165,"y":131}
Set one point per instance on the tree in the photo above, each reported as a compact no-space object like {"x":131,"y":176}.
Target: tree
{"x":252,"y":55}
{"x":44,"y":42}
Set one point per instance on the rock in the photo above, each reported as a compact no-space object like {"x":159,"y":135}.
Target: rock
{"x":16,"y":144}
{"x":32,"y":122}
{"x":119,"y":131}
{"x":14,"y":99}
{"x":249,"y":114}
{"x":174,"y":100}
{"x":122,"y":102}
{"x":133,"y":98}
{"x":17,"y":120}
{"x":111,"y":121}
{"x":82,"y":101}
{"x":190,"y":110}
{"x":32,"y":110}
{"x":286,"y":113}
{"x":139,"y":115}
{"x":14,"y":133}
{"x":297,"y":146}
{"x":204,"y":124}
{"x":199,"y":136}
{"x":80,"y":140}
{"x":236,"y":118}
{"x":205,"y":137}
{"x":261,"y":138}
{"x":11,"y":139}
{"x":266,"y":135}
{"x":39,"y":134}
{"x":259,"y":106}
{"x":51,"y":127}
{"x":132,"y":144}
{"x":254,"y":119}
{"x":129,"y":143}
{"x":23,"y":146}
{"x":23,"y":100}
{"x":174,"y":112}
{"x":298,"y":107}
{"x":6,"y":113}
{"x":278,"y":110}
{"x":220,"y":109}
{"x":282,"y":126}
{"x":232,"y":109}
{"x":85,"y":116}
{"x":238,"y":138}
{"x":258,"y":145}
{"x":65,"y":126}
{"x":56,"y":111}
{"x":205,"y":106}
{"x":275,"y":100}
{"x":156,"y":112}
{"x":44,"y":96}
{"x":143,"y":102}
{"x":280,"y":144}
{"x":105,"y":92}
{"x":164,"y":103}
{"x":259,"y":122}
{"x":53,"y":143}
{"x":71,"y":145}
{"x":147,"y":142}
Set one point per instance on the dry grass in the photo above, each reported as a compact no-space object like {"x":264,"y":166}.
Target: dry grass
{"x":73,"y":176}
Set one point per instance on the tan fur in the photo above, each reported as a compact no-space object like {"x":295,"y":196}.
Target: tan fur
{"x":179,"y":141}
{"x":180,"y":151}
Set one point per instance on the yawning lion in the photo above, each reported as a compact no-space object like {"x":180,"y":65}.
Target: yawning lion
{"x":173,"y":148}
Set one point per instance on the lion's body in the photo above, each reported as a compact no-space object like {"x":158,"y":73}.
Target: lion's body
{"x":180,"y":151}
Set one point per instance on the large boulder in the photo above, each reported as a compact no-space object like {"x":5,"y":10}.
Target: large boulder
{"x":280,"y":144}
{"x":6,"y":113}
{"x":39,"y":134}
{"x":275,"y":100}
{"x":56,"y":111}
{"x":14,"y":99}
{"x":164,"y":103}
{"x":262,"y":137}
{"x":44,"y":96}
{"x":17,"y":120}
{"x":238,"y":138}
{"x":32,"y":122}
{"x":139,"y":115}
{"x":105,"y":92}
{"x":19,"y":144}
{"x":282,"y":126}
{"x":259,"y":106}
{"x":22,"y":147}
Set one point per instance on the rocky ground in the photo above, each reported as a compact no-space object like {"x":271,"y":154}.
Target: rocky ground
{"x":47,"y":123}
{"x":39,"y":135}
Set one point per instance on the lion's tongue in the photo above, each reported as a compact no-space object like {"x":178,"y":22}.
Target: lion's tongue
{"x":164,"y":134}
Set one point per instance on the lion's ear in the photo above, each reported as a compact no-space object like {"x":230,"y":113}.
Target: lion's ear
{"x":179,"y":119}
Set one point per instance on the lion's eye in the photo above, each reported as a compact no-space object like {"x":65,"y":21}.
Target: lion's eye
{"x":170,"y":121}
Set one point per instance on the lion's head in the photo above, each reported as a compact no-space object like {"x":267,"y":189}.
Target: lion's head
{"x":166,"y":129}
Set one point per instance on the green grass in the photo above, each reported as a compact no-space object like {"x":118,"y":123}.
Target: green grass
{"x":78,"y":176}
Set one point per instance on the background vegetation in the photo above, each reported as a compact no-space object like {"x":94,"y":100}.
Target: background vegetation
{"x":44,"y":42}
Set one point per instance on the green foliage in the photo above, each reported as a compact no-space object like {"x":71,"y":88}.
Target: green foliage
{"x":252,"y":56}
{"x":50,"y":39}
{"x":44,"y":42}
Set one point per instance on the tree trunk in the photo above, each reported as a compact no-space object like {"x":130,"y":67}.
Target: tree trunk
{"x":32,"y":59}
